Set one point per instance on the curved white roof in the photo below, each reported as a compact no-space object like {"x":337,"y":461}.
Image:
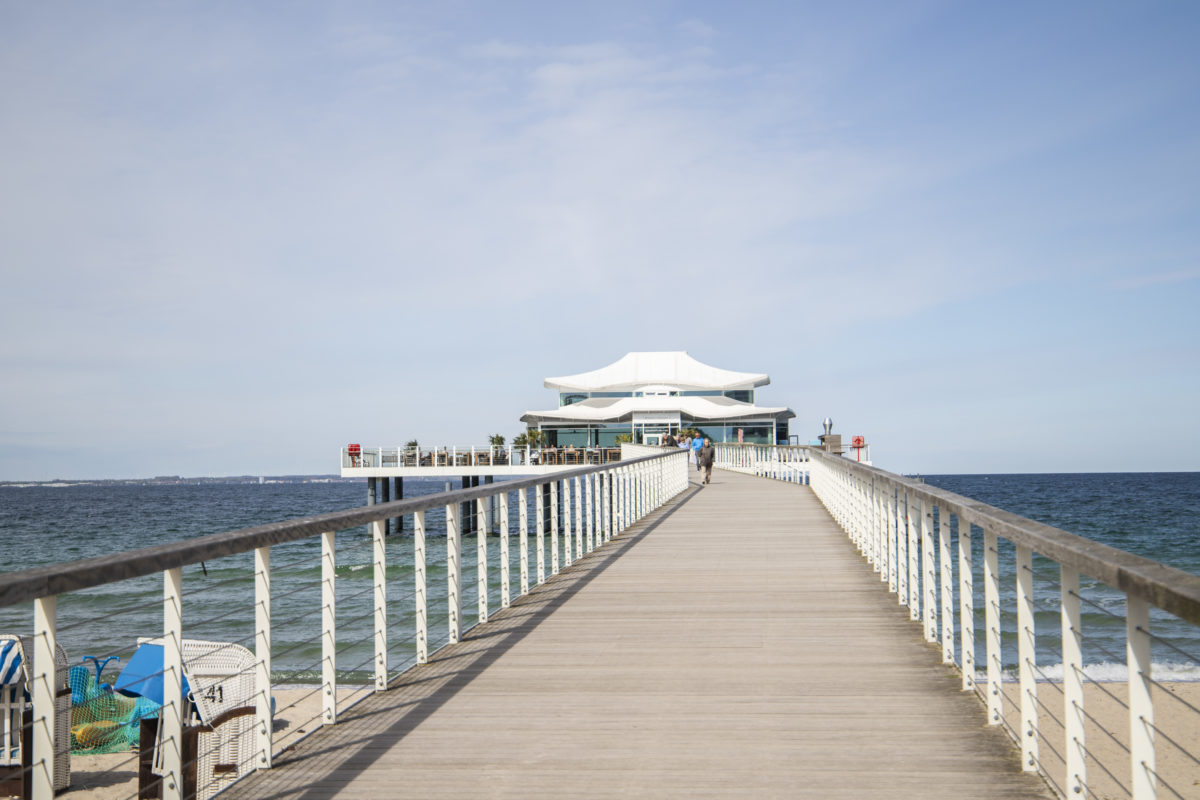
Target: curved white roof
{"x":619,"y":409}
{"x":675,"y":369}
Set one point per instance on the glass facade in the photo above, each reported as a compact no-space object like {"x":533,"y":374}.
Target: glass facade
{"x":741,"y":395}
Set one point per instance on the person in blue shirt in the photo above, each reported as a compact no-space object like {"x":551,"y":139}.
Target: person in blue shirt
{"x":697,"y":443}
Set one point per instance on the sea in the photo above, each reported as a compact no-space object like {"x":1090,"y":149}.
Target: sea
{"x":1155,"y":515}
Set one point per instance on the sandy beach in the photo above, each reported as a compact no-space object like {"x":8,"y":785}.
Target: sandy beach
{"x":1104,"y":703}
{"x":114,"y":776}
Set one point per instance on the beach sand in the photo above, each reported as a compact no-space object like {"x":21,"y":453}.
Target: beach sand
{"x":114,"y":776}
{"x":1171,"y":717}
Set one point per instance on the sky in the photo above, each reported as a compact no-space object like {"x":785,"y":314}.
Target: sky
{"x":235,"y":237}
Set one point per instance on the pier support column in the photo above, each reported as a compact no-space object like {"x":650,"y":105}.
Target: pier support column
{"x":399,"y":495}
{"x":489,"y":511}
{"x":372,"y":491}
{"x":384,"y":496}
{"x":466,"y":511}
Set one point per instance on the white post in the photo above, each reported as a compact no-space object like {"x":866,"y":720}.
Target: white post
{"x":591,"y":517}
{"x":991,"y":600}
{"x":566,"y":516}
{"x":539,"y":496}
{"x":43,"y":689}
{"x":1027,"y":660}
{"x":929,"y":573}
{"x":966,"y":603}
{"x":481,"y":565}
{"x":1141,"y":705}
{"x":420,"y":603}
{"x":947,"y":584}
{"x":171,"y":717}
{"x":901,"y":549}
{"x":379,"y":548}
{"x":890,"y":514}
{"x":328,"y":628}
{"x":553,"y":527}
{"x":505,"y":577}
{"x":1072,"y":646}
{"x":914,"y":557}
{"x":523,"y":538}
{"x":454,"y":572}
{"x":263,"y":724}
{"x":578,"y":519}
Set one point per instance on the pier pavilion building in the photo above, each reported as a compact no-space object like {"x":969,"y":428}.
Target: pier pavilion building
{"x":646,"y":395}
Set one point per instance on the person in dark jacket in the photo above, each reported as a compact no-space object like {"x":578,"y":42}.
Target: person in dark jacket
{"x":706,"y":454}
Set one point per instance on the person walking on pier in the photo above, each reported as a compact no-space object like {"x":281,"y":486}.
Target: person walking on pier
{"x":697,"y":443}
{"x":705,"y":456}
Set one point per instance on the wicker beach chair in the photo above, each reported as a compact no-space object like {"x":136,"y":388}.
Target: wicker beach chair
{"x":16,"y":717}
{"x":220,"y":677}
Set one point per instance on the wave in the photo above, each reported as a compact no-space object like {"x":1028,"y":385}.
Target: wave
{"x":1108,"y":672}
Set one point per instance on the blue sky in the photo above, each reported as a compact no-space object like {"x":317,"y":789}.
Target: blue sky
{"x":235,"y":237}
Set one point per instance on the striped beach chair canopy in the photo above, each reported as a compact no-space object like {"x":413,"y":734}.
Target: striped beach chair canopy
{"x":11,"y":671}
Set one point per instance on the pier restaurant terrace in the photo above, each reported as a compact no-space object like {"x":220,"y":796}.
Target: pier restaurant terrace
{"x":645,"y":396}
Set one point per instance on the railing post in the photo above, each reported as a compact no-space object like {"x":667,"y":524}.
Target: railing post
{"x":928,"y":573}
{"x":991,"y":599}
{"x":172,"y":710}
{"x":505,"y":577}
{"x":901,"y":548}
{"x":420,"y":604}
{"x":1141,"y":704}
{"x":1072,"y":648}
{"x":947,"y":585}
{"x":379,"y":548}
{"x":453,"y":572}
{"x":263,"y":724}
{"x":523,"y":537}
{"x":578,"y":519}
{"x":328,"y":628}
{"x":890,"y":501}
{"x":553,"y":527}
{"x":591,"y":516}
{"x":43,"y":674}
{"x":1027,"y":660}
{"x":539,"y":497}
{"x":566,"y":518}
{"x":966,"y":603}
{"x":481,"y":563}
{"x":914,"y":557}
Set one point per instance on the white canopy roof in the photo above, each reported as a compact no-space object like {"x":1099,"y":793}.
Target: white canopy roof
{"x":620,"y":409}
{"x":676,"y":370}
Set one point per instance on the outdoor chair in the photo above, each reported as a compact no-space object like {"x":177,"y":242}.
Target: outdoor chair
{"x":16,"y":718}
{"x":218,"y":739}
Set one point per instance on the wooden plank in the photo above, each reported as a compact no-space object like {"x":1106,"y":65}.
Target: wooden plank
{"x":734,"y":644}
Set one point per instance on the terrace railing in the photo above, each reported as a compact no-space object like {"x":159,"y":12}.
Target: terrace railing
{"x":490,"y":456}
{"x":578,"y":510}
{"x":1034,"y":580}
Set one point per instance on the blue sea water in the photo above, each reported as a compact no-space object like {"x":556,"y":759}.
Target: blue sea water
{"x":1153,"y":515}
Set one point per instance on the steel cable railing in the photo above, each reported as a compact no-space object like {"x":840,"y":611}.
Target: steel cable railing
{"x":888,"y":518}
{"x":617,"y":494}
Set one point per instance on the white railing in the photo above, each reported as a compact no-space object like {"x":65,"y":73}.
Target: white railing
{"x":605,"y":501}
{"x":924,"y":544}
{"x":471,"y":456}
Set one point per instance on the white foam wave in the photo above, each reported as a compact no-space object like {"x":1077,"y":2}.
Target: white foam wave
{"x":1108,"y":672}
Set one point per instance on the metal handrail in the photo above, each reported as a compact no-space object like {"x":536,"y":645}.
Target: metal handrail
{"x":902,"y":526}
{"x":1169,"y":588}
{"x":73,"y":576}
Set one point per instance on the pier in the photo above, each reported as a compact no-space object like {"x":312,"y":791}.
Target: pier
{"x":678,"y":662}
{"x":804,"y":626}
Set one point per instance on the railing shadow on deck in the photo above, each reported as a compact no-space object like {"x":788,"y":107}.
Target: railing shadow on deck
{"x":527,"y":612}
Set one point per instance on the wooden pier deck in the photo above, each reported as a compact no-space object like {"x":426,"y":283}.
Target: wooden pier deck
{"x":734,"y":644}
